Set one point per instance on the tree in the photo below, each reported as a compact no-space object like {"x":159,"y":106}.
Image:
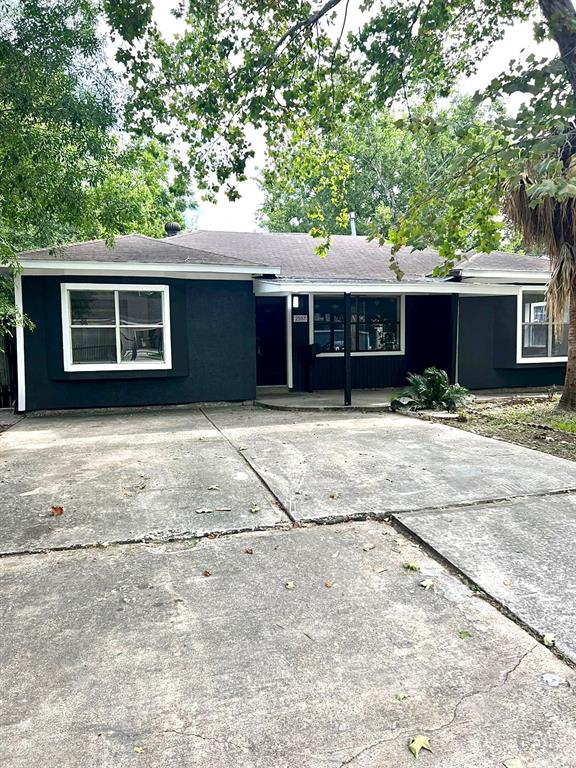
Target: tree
{"x":65,"y":172}
{"x":286,"y":69}
{"x":387,"y":162}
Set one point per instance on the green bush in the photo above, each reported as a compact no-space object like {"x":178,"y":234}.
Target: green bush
{"x":431,"y":390}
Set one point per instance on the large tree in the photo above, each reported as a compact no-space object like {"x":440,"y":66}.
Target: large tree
{"x":287,"y":68}
{"x":66,"y":172}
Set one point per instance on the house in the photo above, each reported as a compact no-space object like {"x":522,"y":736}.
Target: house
{"x":209,"y":316}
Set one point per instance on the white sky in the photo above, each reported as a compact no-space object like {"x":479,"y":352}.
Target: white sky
{"x":240,"y":216}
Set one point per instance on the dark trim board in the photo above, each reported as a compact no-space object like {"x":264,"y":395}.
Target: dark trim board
{"x":213,"y":348}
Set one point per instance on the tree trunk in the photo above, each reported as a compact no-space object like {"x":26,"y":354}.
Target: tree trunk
{"x":560,"y":16}
{"x":568,"y":399}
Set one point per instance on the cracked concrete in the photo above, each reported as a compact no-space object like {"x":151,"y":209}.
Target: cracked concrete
{"x":131,"y":656}
{"x":124,"y":477}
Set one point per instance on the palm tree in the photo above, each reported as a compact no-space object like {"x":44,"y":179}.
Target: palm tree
{"x":549,"y":226}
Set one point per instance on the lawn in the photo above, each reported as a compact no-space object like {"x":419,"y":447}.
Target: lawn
{"x":534,"y":422}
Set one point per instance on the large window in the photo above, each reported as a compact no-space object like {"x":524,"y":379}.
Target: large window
{"x":538,"y":338}
{"x":376,"y":324}
{"x":110,"y":327}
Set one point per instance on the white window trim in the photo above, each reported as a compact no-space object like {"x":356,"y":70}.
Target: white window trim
{"x":375,"y":353}
{"x":519,"y":327}
{"x":70,"y":366}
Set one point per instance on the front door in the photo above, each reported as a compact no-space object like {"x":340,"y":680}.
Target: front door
{"x":271,"y":341}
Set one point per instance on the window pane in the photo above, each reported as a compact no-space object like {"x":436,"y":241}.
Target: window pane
{"x":378,"y":337}
{"x":140,"y":307}
{"x":93,"y":345}
{"x":141,"y":344}
{"x":329,"y":308}
{"x":322,"y":336}
{"x":92,"y":307}
{"x":560,"y":341}
{"x":535,"y":340}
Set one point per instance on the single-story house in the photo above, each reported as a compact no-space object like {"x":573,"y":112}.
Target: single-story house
{"x":210,"y":316}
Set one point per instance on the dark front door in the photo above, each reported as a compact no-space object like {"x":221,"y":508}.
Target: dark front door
{"x":270,"y":340}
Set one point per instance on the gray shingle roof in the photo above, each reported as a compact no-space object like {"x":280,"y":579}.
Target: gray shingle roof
{"x":350,"y":258}
{"x":137,"y":249}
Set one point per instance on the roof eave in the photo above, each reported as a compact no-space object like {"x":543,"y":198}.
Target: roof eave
{"x":38,"y":266}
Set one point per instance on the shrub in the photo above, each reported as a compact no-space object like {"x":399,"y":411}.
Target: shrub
{"x":431,"y":390}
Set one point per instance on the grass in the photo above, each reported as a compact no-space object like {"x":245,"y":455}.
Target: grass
{"x":533,"y":422}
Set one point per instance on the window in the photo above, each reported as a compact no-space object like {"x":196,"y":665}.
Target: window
{"x":538,"y":339}
{"x":115,"y":327}
{"x":376,"y":324}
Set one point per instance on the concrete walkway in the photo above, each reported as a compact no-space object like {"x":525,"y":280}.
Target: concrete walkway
{"x":273,"y":642}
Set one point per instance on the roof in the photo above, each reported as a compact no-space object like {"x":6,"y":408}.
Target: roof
{"x":350,"y":258}
{"x":133,"y":248}
{"x":500,"y":261}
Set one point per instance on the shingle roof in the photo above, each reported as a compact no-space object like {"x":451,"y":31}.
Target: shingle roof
{"x":505,"y":262}
{"x":134,"y":248}
{"x":350,"y":258}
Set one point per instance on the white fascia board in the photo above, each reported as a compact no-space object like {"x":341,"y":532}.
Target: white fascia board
{"x":282,"y":288}
{"x":137,"y":268}
{"x":504,"y":276}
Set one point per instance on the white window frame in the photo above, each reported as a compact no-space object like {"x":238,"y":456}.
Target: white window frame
{"x":369,"y":353}
{"x":66,"y":290}
{"x":520,"y":328}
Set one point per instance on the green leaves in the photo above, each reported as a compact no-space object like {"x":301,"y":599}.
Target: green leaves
{"x":417,"y":743}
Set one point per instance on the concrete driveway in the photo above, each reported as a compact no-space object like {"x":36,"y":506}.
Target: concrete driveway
{"x":273,"y":642}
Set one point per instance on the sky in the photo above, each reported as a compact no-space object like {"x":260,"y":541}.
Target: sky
{"x":240,"y":216}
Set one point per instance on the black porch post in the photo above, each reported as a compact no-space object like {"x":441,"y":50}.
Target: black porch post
{"x":455,"y":336}
{"x":347,"y":349}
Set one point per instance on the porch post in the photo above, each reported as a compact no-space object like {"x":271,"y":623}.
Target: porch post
{"x":455,"y":336}
{"x":347,"y":349}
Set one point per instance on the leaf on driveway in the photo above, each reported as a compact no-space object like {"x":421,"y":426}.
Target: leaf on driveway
{"x":203,"y":511}
{"x":334,"y":495}
{"x":368,"y":547}
{"x":427,"y":583}
{"x":214,"y":488}
{"x":139,"y":750}
{"x":56,"y":511}
{"x":548,"y":639}
{"x":400,"y":695}
{"x":289,"y":585}
{"x":464,"y":634}
{"x":254,"y":508}
{"x":329,"y":583}
{"x":513,"y":762}
{"x":411,"y":566}
{"x":417,"y":743}
{"x":206,"y":573}
{"x":248,"y":551}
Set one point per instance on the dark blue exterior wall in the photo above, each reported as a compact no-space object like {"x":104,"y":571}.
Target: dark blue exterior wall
{"x":428,"y":329}
{"x":213,"y":348}
{"x":487,"y":347}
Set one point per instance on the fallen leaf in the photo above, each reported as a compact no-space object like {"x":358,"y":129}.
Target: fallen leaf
{"x":334,"y":495}
{"x":249,"y":551}
{"x":213,"y":487}
{"x":464,"y":634}
{"x":254,"y":508}
{"x":427,"y":583}
{"x":289,"y":585}
{"x":368,"y":547}
{"x":329,"y":583}
{"x":411,"y":566}
{"x":417,"y":743}
{"x":206,"y":573}
{"x":139,"y":749}
{"x":55,"y":511}
{"x":548,"y":640}
{"x":400,"y":695}
{"x":513,"y":762}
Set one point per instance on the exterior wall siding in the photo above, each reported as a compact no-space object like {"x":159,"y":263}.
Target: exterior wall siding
{"x":213,"y":348}
{"x":428,"y":329}
{"x":487,"y":347}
